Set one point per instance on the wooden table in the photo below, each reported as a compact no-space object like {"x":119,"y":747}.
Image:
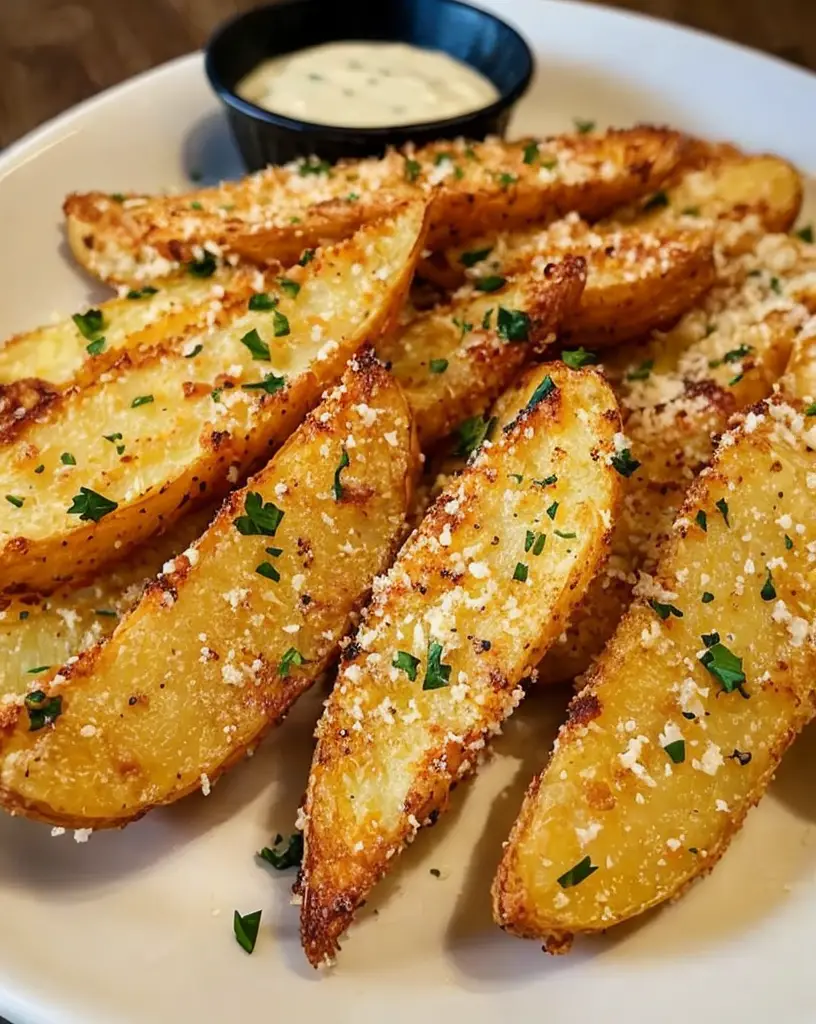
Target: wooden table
{"x":54,"y":53}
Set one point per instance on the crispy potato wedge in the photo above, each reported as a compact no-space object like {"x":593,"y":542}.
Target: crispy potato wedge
{"x":719,"y":183}
{"x":276,"y":214}
{"x":220,"y":647}
{"x":182,"y":420}
{"x":677,"y":392}
{"x":37,"y":633}
{"x":706,"y":682}
{"x":638,"y":280}
{"x":476,"y":595}
{"x":454,"y":359}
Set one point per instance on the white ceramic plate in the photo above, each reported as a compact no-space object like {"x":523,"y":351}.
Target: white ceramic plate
{"x":137,"y":926}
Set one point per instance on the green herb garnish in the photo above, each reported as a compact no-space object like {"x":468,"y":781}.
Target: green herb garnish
{"x":577,"y":358}
{"x":280,"y":324}
{"x":256,"y":345}
{"x":438,"y":365}
{"x":306,"y":257}
{"x":544,"y":390}
{"x":489,"y":284}
{"x":472,"y":433}
{"x":663,"y":611}
{"x":67,"y":459}
{"x":412,"y":169}
{"x":582,"y":870}
{"x":520,"y":572}
{"x":723,"y":664}
{"x":513,"y":324}
{"x":701,"y":519}
{"x":707,"y":597}
{"x":292,"y":288}
{"x":337,"y":486}
{"x":14,"y":500}
{"x":95,"y":348}
{"x":470,"y":259}
{"x":437,"y":675}
{"x":268,"y":571}
{"x":142,"y":293}
{"x":205,"y":267}
{"x":623,"y":462}
{"x":313,"y":166}
{"x":246,"y":929}
{"x":676,"y":751}
{"x":531,"y":152}
{"x":42,"y":710}
{"x":261,"y":519}
{"x":806,"y":234}
{"x":407,"y":663}
{"x":722,"y":508}
{"x":284,"y":853}
{"x":260,"y":302}
{"x":768,"y":591}
{"x":643,"y":372}
{"x":90,"y":506}
{"x":270,"y":384}
{"x":291,"y":657}
{"x":583,"y":127}
{"x":657,"y":202}
{"x":141,"y":400}
{"x":89,"y":324}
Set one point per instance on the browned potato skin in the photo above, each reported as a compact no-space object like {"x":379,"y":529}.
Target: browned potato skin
{"x":116,"y":241}
{"x":68,"y":551}
{"x":481,"y":364}
{"x":165,"y":716}
{"x":649,"y":840}
{"x":373,"y":783}
{"x":638,"y":280}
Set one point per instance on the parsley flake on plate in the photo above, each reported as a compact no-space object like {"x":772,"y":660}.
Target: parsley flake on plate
{"x":284,"y":853}
{"x":577,"y":358}
{"x":246,"y":929}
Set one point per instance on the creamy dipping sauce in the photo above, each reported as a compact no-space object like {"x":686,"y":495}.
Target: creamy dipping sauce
{"x":367,"y":85}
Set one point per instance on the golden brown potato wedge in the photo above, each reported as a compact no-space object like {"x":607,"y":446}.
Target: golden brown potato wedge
{"x":106,"y":466}
{"x":37,"y":633}
{"x":677,"y":392}
{"x":276,"y":214}
{"x":707,"y":680}
{"x":452,"y":360}
{"x":638,"y":279}
{"x":227,"y":638}
{"x":475,"y":596}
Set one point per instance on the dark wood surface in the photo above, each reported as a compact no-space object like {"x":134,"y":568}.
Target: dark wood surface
{"x":54,"y":53}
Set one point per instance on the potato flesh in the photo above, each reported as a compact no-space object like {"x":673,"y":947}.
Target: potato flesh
{"x":185,"y":441}
{"x":479,"y":362}
{"x":193,"y":676}
{"x":611,"y":791}
{"x":473,"y":188}
{"x":45,"y":631}
{"x":59,"y":352}
{"x":388,"y":749}
{"x":677,"y":392}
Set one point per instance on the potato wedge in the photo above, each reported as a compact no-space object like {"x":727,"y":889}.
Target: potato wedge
{"x":276,"y":214}
{"x":677,"y":392}
{"x":454,"y":359}
{"x":686,"y":716}
{"x":182,"y":420}
{"x":476,"y":595}
{"x":220,"y":647}
{"x":719,"y":183}
{"x":638,"y":280}
{"x":37,"y":633}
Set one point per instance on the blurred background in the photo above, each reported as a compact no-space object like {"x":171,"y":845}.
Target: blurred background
{"x":54,"y":53}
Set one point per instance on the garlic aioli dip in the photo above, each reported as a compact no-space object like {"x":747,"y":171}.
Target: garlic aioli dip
{"x":367,"y":85}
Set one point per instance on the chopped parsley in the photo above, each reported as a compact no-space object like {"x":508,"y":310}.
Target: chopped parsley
{"x":12,"y":499}
{"x":534,"y":543}
{"x":506,"y":180}
{"x":96,"y":347}
{"x":623,"y":462}
{"x":577,"y":358}
{"x":270,"y":384}
{"x":564,"y":535}
{"x":545,"y":388}
{"x":313,"y":166}
{"x":806,"y":234}
{"x":551,"y":511}
{"x":90,"y":506}
{"x":776,"y":285}
{"x":196,"y":205}
{"x":292,"y":288}
{"x":642,"y":372}
{"x":284,"y":853}
{"x":513,"y":324}
{"x":676,"y":751}
{"x":256,"y":345}
{"x":280,"y":325}
{"x":768,"y":591}
{"x":437,"y":675}
{"x":337,"y":486}
{"x":486,"y":319}
{"x":734,"y":355}
{"x":472,"y":433}
{"x":663,"y":611}
{"x":811,"y":410}
{"x":438,"y":365}
{"x":67,"y":459}
{"x":707,"y":597}
{"x":261,"y":301}
{"x":407,"y":663}
{"x":205,"y":267}
{"x":470,"y":259}
{"x":42,"y":710}
{"x":89,"y":324}
{"x":113,"y":438}
{"x":722,"y":508}
{"x":583,"y":128}
{"x":788,"y":543}
{"x":657,"y":202}
{"x":141,"y":400}
{"x":268,"y":571}
{"x":261,"y":519}
{"x":195,"y":351}
{"x":531,"y":152}
{"x":142,"y":293}
{"x":246,"y":929}
{"x":520,"y":572}
{"x":306,"y":257}
{"x":491,"y":283}
{"x":723,"y":664}
{"x":106,"y":613}
{"x":582,"y":870}
{"x":38,"y":670}
{"x":412,"y":169}
{"x":291,"y":657}
{"x":701,"y":519}
{"x":546,"y":481}
{"x":463,"y":326}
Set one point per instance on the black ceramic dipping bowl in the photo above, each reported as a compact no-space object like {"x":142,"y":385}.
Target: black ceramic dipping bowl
{"x":471,"y":35}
